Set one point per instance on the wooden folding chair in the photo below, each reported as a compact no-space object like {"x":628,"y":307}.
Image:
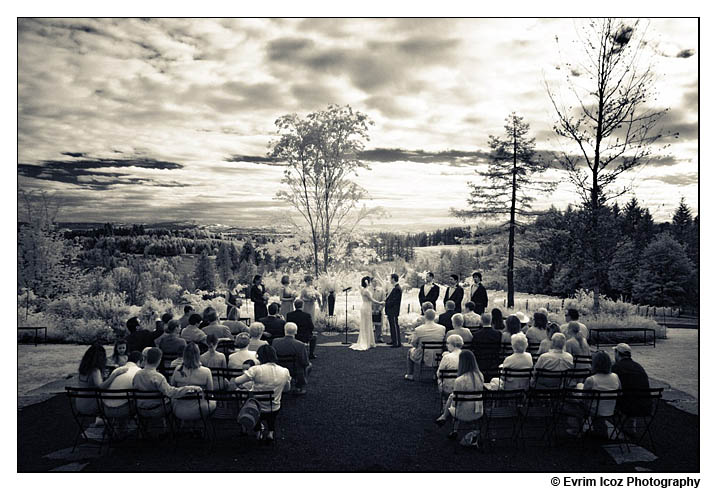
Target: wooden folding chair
{"x":165,"y":367}
{"x":643,"y":417}
{"x":430,"y":346}
{"x":82,"y":415}
{"x":542,"y":405}
{"x":222,"y":377}
{"x":149,"y":406}
{"x":574,"y":376}
{"x":467,"y":397}
{"x":226,"y":347}
{"x":111,"y":414}
{"x":515,"y":378}
{"x":502,"y":406}
{"x":444,"y":376}
{"x":229,"y":402}
{"x":585,"y":405}
{"x":488,"y":357}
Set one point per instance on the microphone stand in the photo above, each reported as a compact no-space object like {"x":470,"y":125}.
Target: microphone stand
{"x":346,"y":316}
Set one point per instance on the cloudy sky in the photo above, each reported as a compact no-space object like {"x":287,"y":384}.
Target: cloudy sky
{"x":132,"y":120}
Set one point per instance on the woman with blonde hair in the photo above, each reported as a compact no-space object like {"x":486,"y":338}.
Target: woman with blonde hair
{"x":311,"y":297}
{"x":287,"y":297}
{"x":255,"y":336}
{"x":575,"y":342}
{"x":545,"y":345}
{"x":191,"y":372}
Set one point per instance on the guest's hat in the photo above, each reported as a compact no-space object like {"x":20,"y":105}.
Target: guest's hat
{"x":623,"y":348}
{"x":523,"y":318}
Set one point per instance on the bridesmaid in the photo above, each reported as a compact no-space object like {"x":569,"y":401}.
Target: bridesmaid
{"x":231,"y":299}
{"x":287,"y":297}
{"x":259,"y":297}
{"x":310,"y":296}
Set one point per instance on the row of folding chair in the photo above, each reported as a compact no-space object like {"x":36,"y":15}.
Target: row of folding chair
{"x":515,"y":408}
{"x":146,"y":407}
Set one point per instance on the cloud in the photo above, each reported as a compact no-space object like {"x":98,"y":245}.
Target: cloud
{"x":84,"y":173}
{"x":689,"y":179}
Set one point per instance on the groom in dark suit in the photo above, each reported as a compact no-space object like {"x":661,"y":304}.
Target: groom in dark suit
{"x":454,"y":292}
{"x":429,"y":292}
{"x":391,"y":307}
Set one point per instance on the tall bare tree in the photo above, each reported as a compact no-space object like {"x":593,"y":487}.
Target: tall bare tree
{"x":509,"y":185}
{"x":320,"y":152}
{"x":611,"y":121}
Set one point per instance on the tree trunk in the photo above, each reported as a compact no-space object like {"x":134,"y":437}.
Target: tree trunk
{"x":512,"y":225}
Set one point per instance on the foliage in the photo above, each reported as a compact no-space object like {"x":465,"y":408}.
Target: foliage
{"x":665,"y":273}
{"x":205,"y":276}
{"x":321,"y":154}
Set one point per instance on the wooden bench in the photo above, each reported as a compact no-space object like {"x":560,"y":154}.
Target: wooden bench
{"x":645,"y":331}
{"x":36,"y":329}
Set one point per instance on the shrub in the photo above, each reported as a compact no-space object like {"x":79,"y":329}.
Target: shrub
{"x":608,"y":321}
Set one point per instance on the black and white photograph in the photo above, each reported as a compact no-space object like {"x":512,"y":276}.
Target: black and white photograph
{"x":375,"y":245}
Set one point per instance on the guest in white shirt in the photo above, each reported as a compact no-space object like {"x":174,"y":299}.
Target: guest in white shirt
{"x":429,"y":331}
{"x":457,"y":323}
{"x":449,"y":361}
{"x":556,"y":360}
{"x":242,"y":356}
{"x":519,"y":360}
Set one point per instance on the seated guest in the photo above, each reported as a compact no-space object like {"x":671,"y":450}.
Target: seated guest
{"x":575,"y":342}
{"x":537,"y":333}
{"x":601,"y":380}
{"x":256,"y":329}
{"x":214,"y":327}
{"x":519,"y":360}
{"x":524,"y":320}
{"x":632,"y":376}
{"x":184,"y":320}
{"x":449,"y":361}
{"x":211,"y":359}
{"x":445,"y":318}
{"x":267,"y":376}
{"x":497,"y":319}
{"x":426,"y":306}
{"x":150,"y":380}
{"x":572,"y":315}
{"x":457,"y":324}
{"x":139,"y":338}
{"x":545,"y":345}
{"x":471,"y":318}
{"x":119,"y":353}
{"x":429,"y":331}
{"x":191,"y":372}
{"x":487,"y":345}
{"x":273,"y":323}
{"x":289,"y":346}
{"x":166,"y":318}
{"x":92,"y":366}
{"x":171,"y":343}
{"x":513,"y":326}
{"x":235,"y":325}
{"x":469,"y":379}
{"x":120,"y":408}
{"x":239,"y":358}
{"x":556,"y":360}
{"x":305,"y":326}
{"x":192,"y":333}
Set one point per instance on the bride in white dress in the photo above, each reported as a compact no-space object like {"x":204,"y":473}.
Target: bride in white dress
{"x":366,"y":327}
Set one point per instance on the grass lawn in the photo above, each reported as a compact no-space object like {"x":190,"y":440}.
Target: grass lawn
{"x":359,"y":415}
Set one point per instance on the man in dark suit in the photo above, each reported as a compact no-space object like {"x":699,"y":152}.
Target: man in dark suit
{"x":305,"y":326}
{"x":290,"y":347}
{"x":454,"y":292}
{"x":445,"y":318}
{"x":429,"y":292}
{"x":478,"y":294}
{"x":391,"y":307}
{"x":486,"y":345}
{"x":273,"y":323}
{"x":141,"y":339}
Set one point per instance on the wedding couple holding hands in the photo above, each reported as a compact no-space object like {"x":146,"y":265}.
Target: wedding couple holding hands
{"x":391,"y":305}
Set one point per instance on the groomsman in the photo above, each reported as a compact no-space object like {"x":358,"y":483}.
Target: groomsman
{"x":454,"y":292}
{"x":429,"y":292}
{"x":478,"y":294}
{"x":391,"y":307}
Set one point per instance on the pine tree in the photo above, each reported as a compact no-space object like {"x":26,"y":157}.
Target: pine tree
{"x":682,"y":222}
{"x":204,"y":274}
{"x":223,"y":262}
{"x":623,"y":271}
{"x":665,"y":273}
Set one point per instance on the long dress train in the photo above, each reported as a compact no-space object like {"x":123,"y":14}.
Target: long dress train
{"x":366,"y":327}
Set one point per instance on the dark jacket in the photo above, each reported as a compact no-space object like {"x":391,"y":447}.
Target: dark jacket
{"x":445,"y":319}
{"x":457,"y":297}
{"x":480,"y":299}
{"x":288,"y":346}
{"x":141,"y":339}
{"x":432,"y":296}
{"x":305,"y":326}
{"x":486,"y":346}
{"x":256,"y":294}
{"x":273,"y":325}
{"x":393,"y":302}
{"x":632,"y":376}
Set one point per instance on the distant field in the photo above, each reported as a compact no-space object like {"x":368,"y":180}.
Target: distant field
{"x":433,"y":252}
